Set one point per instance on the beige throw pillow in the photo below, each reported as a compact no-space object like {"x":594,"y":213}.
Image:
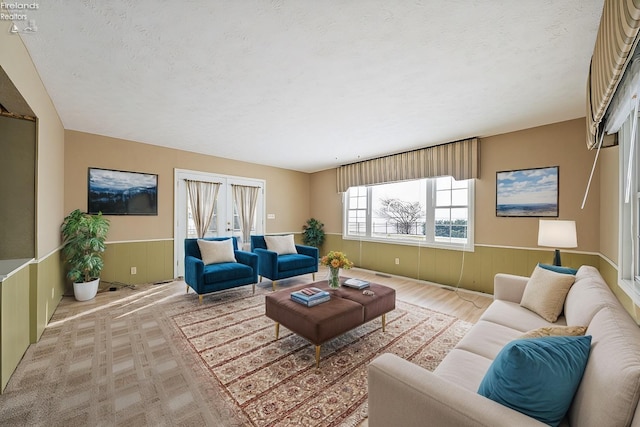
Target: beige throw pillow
{"x":556,"y":331}
{"x":545,"y":293}
{"x":216,"y":251}
{"x":281,"y":244}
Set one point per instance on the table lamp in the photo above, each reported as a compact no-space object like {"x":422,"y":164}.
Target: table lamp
{"x":557,"y":234}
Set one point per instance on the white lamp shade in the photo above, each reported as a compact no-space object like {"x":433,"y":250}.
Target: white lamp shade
{"x":557,"y":233}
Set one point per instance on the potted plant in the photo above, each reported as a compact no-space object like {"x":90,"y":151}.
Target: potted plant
{"x":312,"y":234}
{"x":83,"y":245}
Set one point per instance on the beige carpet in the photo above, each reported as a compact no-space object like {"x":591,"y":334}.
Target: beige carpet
{"x":277,"y":383}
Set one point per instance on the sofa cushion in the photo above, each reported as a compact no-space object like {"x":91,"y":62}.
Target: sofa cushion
{"x":463,"y":368}
{"x":610,"y":388}
{"x":216,"y":251}
{"x":555,"y":331}
{"x":281,"y":244}
{"x":294,"y":262}
{"x":538,"y":377}
{"x":545,"y":293}
{"x":225,"y":271}
{"x":588,"y":295}
{"x":514,"y":316}
{"x":487,"y":338}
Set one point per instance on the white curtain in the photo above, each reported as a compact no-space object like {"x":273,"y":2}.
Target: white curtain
{"x":245,"y":198}
{"x":202,"y":197}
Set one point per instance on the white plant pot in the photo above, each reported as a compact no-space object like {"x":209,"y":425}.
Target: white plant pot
{"x":86,"y":291}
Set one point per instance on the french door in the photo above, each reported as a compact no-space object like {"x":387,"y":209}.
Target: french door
{"x":225,"y":221}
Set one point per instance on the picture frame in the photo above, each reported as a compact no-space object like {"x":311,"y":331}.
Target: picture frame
{"x":116,"y":192}
{"x":528,"y":192}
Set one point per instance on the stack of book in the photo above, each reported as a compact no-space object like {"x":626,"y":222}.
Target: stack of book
{"x":310,"y":296}
{"x":356,"y":283}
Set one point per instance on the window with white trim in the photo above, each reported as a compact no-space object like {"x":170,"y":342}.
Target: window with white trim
{"x":629,"y":238}
{"x":432,"y":212}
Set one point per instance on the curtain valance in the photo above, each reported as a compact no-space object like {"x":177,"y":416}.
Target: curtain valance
{"x":457,"y":159}
{"x":616,"y":40}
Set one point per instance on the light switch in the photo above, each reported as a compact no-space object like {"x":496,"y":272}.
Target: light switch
{"x":271,"y":216}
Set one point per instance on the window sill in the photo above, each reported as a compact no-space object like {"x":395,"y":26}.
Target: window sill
{"x":631,"y":288}
{"x":419,"y":243}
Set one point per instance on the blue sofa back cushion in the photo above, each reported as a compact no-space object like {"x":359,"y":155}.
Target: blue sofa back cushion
{"x":559,"y":269}
{"x":224,"y":271}
{"x":294,"y":262}
{"x":538,"y":376}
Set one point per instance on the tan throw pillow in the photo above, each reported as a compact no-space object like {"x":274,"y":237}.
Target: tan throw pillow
{"x":281,"y":244}
{"x":545,"y":293}
{"x":216,"y":251}
{"x":556,"y":331}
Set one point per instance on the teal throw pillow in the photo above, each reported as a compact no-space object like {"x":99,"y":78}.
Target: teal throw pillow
{"x":539,"y":376}
{"x":559,"y":269}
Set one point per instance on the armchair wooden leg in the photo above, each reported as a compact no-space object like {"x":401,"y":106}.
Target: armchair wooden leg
{"x":253,"y":288}
{"x":273,"y":284}
{"x":260,"y":278}
{"x":200,"y":298}
{"x":313,"y":276}
{"x":187,"y":288}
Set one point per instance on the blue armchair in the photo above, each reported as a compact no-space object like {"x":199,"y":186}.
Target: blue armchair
{"x":275,"y":267}
{"x":218,"y":276}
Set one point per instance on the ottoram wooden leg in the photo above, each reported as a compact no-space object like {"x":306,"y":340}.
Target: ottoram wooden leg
{"x":317,"y":356}
{"x":277,"y":330}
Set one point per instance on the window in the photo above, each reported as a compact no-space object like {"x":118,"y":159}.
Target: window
{"x":433,"y":212}
{"x":629,"y":239}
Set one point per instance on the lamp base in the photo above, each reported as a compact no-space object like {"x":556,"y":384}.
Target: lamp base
{"x":556,"y":258}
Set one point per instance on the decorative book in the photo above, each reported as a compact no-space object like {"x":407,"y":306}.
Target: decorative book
{"x":310,"y":296}
{"x":356,"y":283}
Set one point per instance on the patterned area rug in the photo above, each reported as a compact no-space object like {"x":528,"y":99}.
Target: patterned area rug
{"x":276,"y":382}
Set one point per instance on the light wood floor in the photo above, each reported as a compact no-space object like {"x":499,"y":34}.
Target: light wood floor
{"x":465,"y":305}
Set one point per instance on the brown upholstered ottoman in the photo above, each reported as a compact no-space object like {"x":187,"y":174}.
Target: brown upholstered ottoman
{"x":347,"y":309}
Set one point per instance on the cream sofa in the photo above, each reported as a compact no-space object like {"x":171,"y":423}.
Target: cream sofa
{"x":404,"y":394}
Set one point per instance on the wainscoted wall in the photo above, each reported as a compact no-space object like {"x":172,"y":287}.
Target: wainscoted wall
{"x":48,"y":285}
{"x":152,"y":259}
{"x":14,"y":321}
{"x":445,"y":266}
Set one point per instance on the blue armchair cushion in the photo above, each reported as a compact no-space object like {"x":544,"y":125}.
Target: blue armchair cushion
{"x":221,"y":272}
{"x":295,"y":261}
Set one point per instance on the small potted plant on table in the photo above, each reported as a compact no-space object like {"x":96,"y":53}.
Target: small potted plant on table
{"x":84,"y":238}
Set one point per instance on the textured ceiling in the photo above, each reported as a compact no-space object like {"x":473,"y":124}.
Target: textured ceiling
{"x":307,"y":84}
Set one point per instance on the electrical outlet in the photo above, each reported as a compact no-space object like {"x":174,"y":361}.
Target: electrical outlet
{"x":134,"y":270}
{"x":397,"y":261}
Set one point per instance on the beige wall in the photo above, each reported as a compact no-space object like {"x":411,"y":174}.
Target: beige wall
{"x":561,"y":144}
{"x":286,"y":195}
{"x":16,"y":62}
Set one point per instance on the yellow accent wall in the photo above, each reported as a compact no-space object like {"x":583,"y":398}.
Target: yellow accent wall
{"x":15,"y":320}
{"x":153,"y":261}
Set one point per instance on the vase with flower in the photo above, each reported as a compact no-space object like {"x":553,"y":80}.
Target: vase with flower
{"x":335,"y":260}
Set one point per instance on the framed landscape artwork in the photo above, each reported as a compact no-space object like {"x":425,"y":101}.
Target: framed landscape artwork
{"x":114,"y":192}
{"x":527,"y":192}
